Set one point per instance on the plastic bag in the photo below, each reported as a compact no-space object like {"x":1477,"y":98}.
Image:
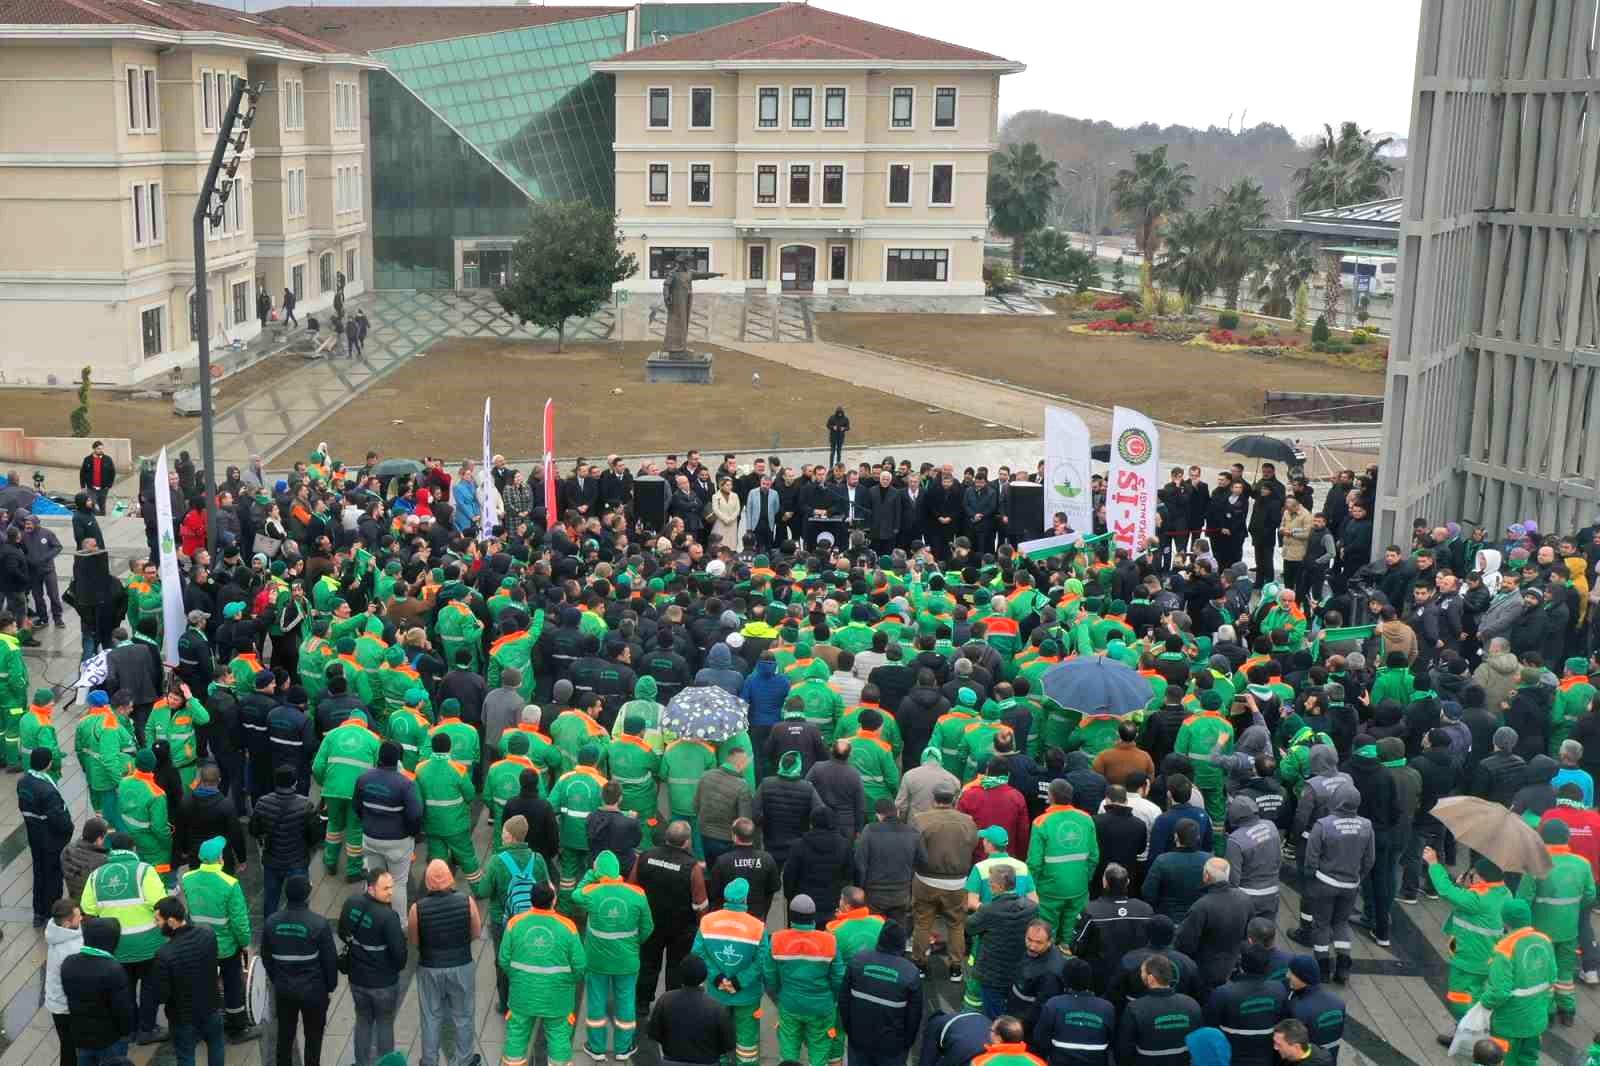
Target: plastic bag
{"x":1473,"y":1027}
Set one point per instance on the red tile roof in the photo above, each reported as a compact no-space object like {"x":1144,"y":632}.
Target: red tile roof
{"x":801,"y":31}
{"x":367,"y":29}
{"x":179,"y":15}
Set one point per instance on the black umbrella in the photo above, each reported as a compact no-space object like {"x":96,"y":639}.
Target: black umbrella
{"x":1102,"y":452}
{"x":1261,"y":446}
{"x":397,"y":467}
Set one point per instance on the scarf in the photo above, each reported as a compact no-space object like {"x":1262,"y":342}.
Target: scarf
{"x":995,"y":782}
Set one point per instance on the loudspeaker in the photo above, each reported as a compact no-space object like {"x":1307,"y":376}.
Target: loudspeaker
{"x":650,"y":502}
{"x":1024,"y":511}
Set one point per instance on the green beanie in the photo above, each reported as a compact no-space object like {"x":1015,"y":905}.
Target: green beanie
{"x":605,"y":864}
{"x":346,"y":646}
{"x":450,"y":708}
{"x":415,"y":697}
{"x":395,"y":656}
{"x":1211,"y":700}
{"x":145,"y":760}
{"x":737,"y":893}
{"x":211,"y":850}
{"x":966,"y":697}
{"x":43,"y":696}
{"x":517,"y":743}
{"x":1555,"y":831}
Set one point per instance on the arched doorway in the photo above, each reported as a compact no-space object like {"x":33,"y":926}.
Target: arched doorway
{"x":797,"y":266}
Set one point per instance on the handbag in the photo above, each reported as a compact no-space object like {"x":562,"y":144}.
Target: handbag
{"x":265,"y":545}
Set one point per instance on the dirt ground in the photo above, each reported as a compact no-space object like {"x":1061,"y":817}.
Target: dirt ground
{"x":438,"y":398}
{"x":1167,"y":381}
{"x":112,"y":413}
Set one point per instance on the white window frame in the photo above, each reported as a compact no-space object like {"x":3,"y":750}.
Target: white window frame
{"x":233,"y":287}
{"x":777,"y":176}
{"x":949,"y":256}
{"x":347,"y":106}
{"x":649,"y":175}
{"x":711,"y":89}
{"x":151,"y":83}
{"x":352,"y":262}
{"x":149,"y":205}
{"x":649,"y":99}
{"x":811,"y":92}
{"x":822,"y":183}
{"x":777,"y":123}
{"x":912,"y":89}
{"x":931,"y":201}
{"x":133,"y":83}
{"x":888,"y":185}
{"x":831,"y":246}
{"x":166,"y":327}
{"x":330,"y":281}
{"x":788,"y":187}
{"x":955,"y":113}
{"x":711,"y":183}
{"x":826,"y":89}
{"x":356,"y":203}
{"x":293,"y":94}
{"x":298,"y":290}
{"x":208,"y":100}
{"x":294,"y":196}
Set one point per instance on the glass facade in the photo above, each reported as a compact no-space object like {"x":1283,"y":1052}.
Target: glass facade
{"x":466,"y":131}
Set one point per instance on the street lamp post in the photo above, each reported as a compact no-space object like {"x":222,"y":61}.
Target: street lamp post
{"x":208,"y":209}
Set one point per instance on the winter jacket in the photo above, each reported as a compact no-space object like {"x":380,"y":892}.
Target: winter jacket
{"x":721,"y":797}
{"x":1530,"y":717}
{"x":1316,"y":797}
{"x":719,"y":670}
{"x":999,"y":932}
{"x":1537,"y":794}
{"x":1255,"y":849}
{"x":78,"y":860}
{"x":1340,"y":850}
{"x":949,"y":838}
{"x":98,"y":993}
{"x":1175,"y":881}
{"x":186,"y":968}
{"x":1245,"y":1009}
{"x":1498,"y":777}
{"x":1499,"y":620}
{"x":44,"y":813}
{"x":1498,"y":675}
{"x":886,"y":853}
{"x":1439,"y":776}
{"x":765,"y":690}
{"x":297,"y":950}
{"x":388,"y":804}
{"x":783,"y":806}
{"x":1377,"y":800}
{"x":999,"y":805}
{"x":379,"y":952}
{"x":288,"y":828}
{"x":1212,"y":933}
{"x":795,"y":734}
{"x":916,"y":715}
{"x":880,"y":1002}
{"x":216,"y":901}
{"x":818,"y":866}
{"x":60,"y":943}
{"x":839,"y":786}
{"x":1519,"y":989}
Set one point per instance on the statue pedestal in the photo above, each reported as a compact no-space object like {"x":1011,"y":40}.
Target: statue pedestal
{"x":677,"y":368}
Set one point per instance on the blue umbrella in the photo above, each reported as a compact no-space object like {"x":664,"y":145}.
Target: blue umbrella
{"x":705,"y":712}
{"x":1095,"y":684}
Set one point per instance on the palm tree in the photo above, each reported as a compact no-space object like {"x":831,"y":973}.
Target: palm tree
{"x":1291,"y":262}
{"x":1022,"y":185}
{"x":1153,"y":189}
{"x":1236,"y":221}
{"x":1188,"y":257}
{"x":1345,"y":168}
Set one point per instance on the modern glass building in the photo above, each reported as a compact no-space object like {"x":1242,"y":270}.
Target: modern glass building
{"x":476,"y":115}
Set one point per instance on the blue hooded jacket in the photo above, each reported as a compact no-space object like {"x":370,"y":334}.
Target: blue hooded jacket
{"x":720,"y":671}
{"x":765,"y":690}
{"x":1208,"y":1047}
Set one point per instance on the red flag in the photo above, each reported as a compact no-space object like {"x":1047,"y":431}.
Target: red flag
{"x":550,"y":515}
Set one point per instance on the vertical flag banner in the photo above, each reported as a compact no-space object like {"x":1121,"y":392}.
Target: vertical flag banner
{"x":1066,"y":470}
{"x":173,"y":619}
{"x":486,"y":516}
{"x":550,"y":515}
{"x":1131,"y":491}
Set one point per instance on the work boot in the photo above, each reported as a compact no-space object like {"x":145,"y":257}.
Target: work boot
{"x":1567,"y":1018}
{"x":1445,"y":1039}
{"x":1341,"y":969}
{"x":1325,"y":965}
{"x":1301,"y":935}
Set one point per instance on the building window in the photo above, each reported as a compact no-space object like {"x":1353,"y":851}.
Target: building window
{"x":660,"y":109}
{"x":347,"y":105}
{"x":350,"y":266}
{"x":297,"y":281}
{"x":152,"y":102}
{"x":347,"y":190}
{"x":153,"y":330}
{"x":918,"y":264}
{"x":208,"y":102}
{"x":800,"y":109}
{"x":149,"y":215}
{"x":144,"y":101}
{"x":944,"y":108}
{"x":758,"y":262}
{"x":833,"y":109}
{"x":767,"y":183}
{"x":135,"y":101}
{"x":660,"y":183}
{"x":699,"y":109}
{"x":901,"y":109}
{"x":900,"y":184}
{"x":241,"y":301}
{"x":767,"y":108}
{"x":661,"y":259}
{"x":295,"y":192}
{"x":941,"y":184}
{"x":294,"y":104}
{"x":800,"y":183}
{"x":699,"y":183}
{"x":326,"y":268}
{"x":838,"y":259}
{"x":833,"y":184}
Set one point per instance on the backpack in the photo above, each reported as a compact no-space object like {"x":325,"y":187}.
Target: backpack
{"x":519,"y":890}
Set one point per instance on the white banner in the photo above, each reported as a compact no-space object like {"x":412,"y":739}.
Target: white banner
{"x":486,"y":516}
{"x":173,"y":619}
{"x":1066,"y":470}
{"x":1131,"y":489}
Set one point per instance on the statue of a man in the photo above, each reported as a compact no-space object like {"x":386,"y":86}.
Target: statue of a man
{"x":677,"y":293}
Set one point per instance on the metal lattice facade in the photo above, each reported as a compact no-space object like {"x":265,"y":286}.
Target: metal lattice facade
{"x":1492,"y":410}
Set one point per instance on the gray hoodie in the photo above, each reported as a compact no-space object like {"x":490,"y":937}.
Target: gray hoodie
{"x":1340,"y":851}
{"x":1316,"y":798}
{"x":1240,"y":763}
{"x":1501,"y":616}
{"x":917,"y":785}
{"x":1255,"y":850}
{"x":61,"y":942}
{"x":719,"y":670}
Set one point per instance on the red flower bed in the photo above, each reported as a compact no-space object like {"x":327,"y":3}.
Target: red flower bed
{"x":1111,"y":325}
{"x":1226,"y":336}
{"x":1110,"y":303}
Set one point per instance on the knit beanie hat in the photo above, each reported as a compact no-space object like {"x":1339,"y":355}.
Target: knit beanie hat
{"x":145,"y":760}
{"x":1555,"y":831}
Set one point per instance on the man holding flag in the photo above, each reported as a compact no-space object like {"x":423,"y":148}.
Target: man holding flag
{"x":173,"y":618}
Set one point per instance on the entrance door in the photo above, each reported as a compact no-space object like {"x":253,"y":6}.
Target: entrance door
{"x":798,"y":266}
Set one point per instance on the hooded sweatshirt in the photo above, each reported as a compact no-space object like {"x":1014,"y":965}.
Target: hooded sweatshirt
{"x":61,"y":943}
{"x":1340,"y":850}
{"x":1255,"y":849}
{"x":719,"y":670}
{"x":765,"y":690}
{"x":1316,"y":799}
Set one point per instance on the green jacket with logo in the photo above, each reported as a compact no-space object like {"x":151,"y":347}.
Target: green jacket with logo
{"x":1063,"y":851}
{"x":542,"y":953}
{"x":127,"y":889}
{"x":803,"y":972}
{"x":1474,"y":923}
{"x":682,"y":765}
{"x":1521,"y":984}
{"x":575,"y":797}
{"x":349,"y":750}
{"x":1560,"y":899}
{"x":633,"y":766}
{"x":619,"y":920}
{"x":216,"y":899}
{"x":176,"y":726}
{"x":445,"y":787}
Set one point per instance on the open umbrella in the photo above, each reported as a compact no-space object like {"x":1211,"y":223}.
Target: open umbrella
{"x":397,"y":468}
{"x":705,"y":712}
{"x":1261,"y":446}
{"x":1492,"y":830}
{"x":1095,"y":684}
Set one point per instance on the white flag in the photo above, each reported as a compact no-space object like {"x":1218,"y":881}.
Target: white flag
{"x":173,"y":619}
{"x":1066,"y":470}
{"x":486,"y":516}
{"x":1131,"y":491}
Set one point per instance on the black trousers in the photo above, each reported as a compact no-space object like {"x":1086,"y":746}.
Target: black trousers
{"x":48,"y":885}
{"x":69,"y":1048}
{"x":142,"y":980}
{"x":1264,"y":544}
{"x":290,"y":1010}
{"x":675,"y":945}
{"x":234,"y":1015}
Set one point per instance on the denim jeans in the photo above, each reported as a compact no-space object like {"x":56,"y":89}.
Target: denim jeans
{"x":375,"y":1011}
{"x":186,"y":1036}
{"x":272,"y":882}
{"x":95,"y":1056}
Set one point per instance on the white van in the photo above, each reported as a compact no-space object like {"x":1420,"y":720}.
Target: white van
{"x":1380,"y":273}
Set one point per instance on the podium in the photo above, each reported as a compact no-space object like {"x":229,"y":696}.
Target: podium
{"x":815,"y":527}
{"x":650,"y":501}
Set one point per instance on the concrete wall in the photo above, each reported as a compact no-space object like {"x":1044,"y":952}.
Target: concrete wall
{"x":17,"y":447}
{"x":1324,"y":406}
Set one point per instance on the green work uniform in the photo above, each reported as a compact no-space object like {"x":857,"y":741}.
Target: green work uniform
{"x":803,"y":974}
{"x":543,"y":955}
{"x":37,"y":731}
{"x":1197,"y":738}
{"x":850,"y":724}
{"x":127,"y":889}
{"x":501,"y":782}
{"x":1474,"y":927}
{"x":1559,"y":901}
{"x":735,"y":945}
{"x":874,"y":760}
{"x":1063,"y":851}
{"x":176,"y":725}
{"x":634,"y":766}
{"x":949,"y":734}
{"x":1518,"y":993}
{"x":445,"y":788}
{"x":459,"y":628}
{"x":143,"y":806}
{"x":575,"y":797}
{"x":349,"y":750}
{"x":408,"y":728}
{"x":822,"y":705}
{"x":571,"y":730}
{"x":619,"y":923}
{"x":13,"y":691}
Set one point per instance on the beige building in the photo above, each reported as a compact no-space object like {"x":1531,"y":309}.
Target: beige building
{"x":107,"y":124}
{"x":809,"y":152}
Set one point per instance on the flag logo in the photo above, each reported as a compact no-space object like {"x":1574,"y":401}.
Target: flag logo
{"x":1134,"y":446}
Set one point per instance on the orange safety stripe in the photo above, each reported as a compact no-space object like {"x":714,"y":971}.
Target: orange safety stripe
{"x":849,"y":916}
{"x":735,"y":924}
{"x":520,"y":760}
{"x":531,"y":911}
{"x":508,"y":638}
{"x":1569,"y":683}
{"x":812,"y":943}
{"x":872,"y":735}
{"x":586,"y":770}
{"x":1508,"y":943}
{"x":628,"y":738}
{"x":1458,"y":997}
{"x":619,"y":882}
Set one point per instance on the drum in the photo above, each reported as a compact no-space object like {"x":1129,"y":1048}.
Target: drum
{"x":257,"y":992}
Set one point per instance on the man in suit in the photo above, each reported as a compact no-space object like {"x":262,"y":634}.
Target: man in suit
{"x":916,"y":505}
{"x":761,"y":508}
{"x":887,"y":507}
{"x":981,"y":502}
{"x":616,"y":485}
{"x":944,"y":512}
{"x":582,"y":490}
{"x":857,"y":504}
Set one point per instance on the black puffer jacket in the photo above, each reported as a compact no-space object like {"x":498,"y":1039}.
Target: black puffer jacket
{"x":1498,"y":777}
{"x":99,"y":997}
{"x":1439,"y":776}
{"x":1537,"y":794}
{"x":186,"y":969}
{"x":1379,"y":804}
{"x":918,"y":712}
{"x":818,"y":865}
{"x":287,"y":826}
{"x":1530,"y":717}
{"x":1000,"y":929}
{"x":783,"y":806}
